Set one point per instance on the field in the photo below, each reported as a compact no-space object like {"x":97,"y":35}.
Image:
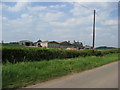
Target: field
{"x":25,"y":65}
{"x":24,"y":73}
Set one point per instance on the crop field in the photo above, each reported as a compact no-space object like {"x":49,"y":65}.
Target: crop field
{"x":28,"y":65}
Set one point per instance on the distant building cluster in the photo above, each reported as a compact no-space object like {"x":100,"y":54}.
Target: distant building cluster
{"x":53,"y":44}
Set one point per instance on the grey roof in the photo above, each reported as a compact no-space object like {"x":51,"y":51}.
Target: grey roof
{"x":49,"y":42}
{"x":44,"y":42}
{"x":62,"y":42}
{"x":25,"y":41}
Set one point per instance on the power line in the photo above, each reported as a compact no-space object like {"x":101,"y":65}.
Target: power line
{"x":86,"y":7}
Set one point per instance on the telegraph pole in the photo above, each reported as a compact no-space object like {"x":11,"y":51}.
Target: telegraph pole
{"x":93,"y":30}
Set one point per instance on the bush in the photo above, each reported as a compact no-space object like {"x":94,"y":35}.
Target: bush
{"x":15,"y":55}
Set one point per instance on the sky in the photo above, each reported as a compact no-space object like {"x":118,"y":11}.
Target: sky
{"x":60,"y":21}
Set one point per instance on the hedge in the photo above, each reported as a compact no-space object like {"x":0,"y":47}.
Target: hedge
{"x":14,"y":55}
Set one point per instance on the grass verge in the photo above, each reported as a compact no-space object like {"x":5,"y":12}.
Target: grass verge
{"x":24,"y":73}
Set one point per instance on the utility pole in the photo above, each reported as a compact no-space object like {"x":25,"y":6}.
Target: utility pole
{"x":93,"y":30}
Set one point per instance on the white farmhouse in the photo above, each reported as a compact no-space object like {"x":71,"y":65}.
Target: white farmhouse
{"x":49,"y":44}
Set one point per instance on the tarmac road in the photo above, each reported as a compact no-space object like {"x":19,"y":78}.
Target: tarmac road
{"x":102,"y":77}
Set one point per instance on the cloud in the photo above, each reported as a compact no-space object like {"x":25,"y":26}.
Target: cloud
{"x":24,"y":16}
{"x":37,"y":8}
{"x":79,"y":10}
{"x":20,"y":5}
{"x":74,"y":22}
{"x":58,"y":6}
{"x":51,"y":16}
{"x":110,"y":22}
{"x":3,"y":18}
{"x":57,"y":22}
{"x":0,"y":7}
{"x":15,"y":30}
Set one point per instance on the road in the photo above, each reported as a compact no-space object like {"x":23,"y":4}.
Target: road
{"x":102,"y":77}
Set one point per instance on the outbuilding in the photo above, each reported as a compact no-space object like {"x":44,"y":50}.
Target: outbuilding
{"x":26,"y":43}
{"x":49,"y":44}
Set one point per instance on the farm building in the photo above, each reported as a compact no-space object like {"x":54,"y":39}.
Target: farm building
{"x":87,"y":47}
{"x":26,"y":43}
{"x":78,"y":45}
{"x":53,"y":44}
{"x":38,"y":43}
{"x":65,"y":44}
{"x":49,"y":44}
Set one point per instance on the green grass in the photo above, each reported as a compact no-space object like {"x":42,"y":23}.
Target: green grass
{"x":24,"y":73}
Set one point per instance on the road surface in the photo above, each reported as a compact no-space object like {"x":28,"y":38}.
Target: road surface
{"x":102,"y":77}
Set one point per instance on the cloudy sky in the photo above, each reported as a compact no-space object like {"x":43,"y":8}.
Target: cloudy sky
{"x":60,"y":21}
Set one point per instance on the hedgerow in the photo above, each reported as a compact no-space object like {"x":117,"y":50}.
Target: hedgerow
{"x":14,"y":55}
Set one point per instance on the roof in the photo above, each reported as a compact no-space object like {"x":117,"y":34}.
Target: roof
{"x":49,"y":42}
{"x":25,"y":41}
{"x":61,"y":41}
{"x":76,"y":42}
{"x":53,"y":42}
{"x":39,"y":41}
{"x":65,"y":43}
{"x":44,"y":42}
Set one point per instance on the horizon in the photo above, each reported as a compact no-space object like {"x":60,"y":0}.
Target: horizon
{"x":58,"y":41}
